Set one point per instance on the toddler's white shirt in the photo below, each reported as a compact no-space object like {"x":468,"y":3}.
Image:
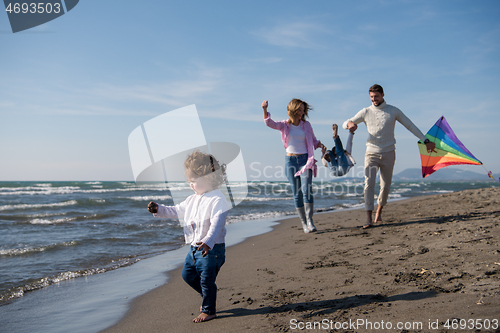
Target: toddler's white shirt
{"x":202,"y":216}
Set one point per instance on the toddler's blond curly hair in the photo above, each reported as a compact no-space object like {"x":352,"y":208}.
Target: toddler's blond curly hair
{"x":206,"y":165}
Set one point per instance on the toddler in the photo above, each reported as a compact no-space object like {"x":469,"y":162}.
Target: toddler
{"x":203,"y":216}
{"x":339,"y":160}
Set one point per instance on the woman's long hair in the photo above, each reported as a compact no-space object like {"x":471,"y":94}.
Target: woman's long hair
{"x":294,"y":106}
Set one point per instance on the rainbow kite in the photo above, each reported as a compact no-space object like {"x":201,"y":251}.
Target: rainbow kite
{"x":449,"y":150}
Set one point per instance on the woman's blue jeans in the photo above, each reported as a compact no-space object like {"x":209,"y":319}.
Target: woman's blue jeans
{"x":301,"y":192}
{"x":200,"y":273}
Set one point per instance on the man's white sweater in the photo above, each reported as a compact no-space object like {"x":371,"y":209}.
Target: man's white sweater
{"x":380,"y":122}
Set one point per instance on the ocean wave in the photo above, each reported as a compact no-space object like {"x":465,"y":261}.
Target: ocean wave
{"x":28,"y":250}
{"x":56,"y":221}
{"x":256,"y":216}
{"x":17,"y":292}
{"x":237,"y":193}
{"x":150,"y":198}
{"x":340,"y":207}
{"x":50,"y":190}
{"x":43,"y":218}
{"x":38,"y":190}
{"x":97,"y":187}
{"x":354,"y":205}
{"x":282,"y":214}
{"x":35,"y":206}
{"x":239,"y":184}
{"x":262,"y":183}
{"x":437,"y":191}
{"x":37,"y":216}
{"x":353,"y":194}
{"x":262,"y":199}
{"x":56,"y":218}
{"x":401,"y":190}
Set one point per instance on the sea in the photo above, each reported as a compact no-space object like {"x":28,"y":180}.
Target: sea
{"x":56,"y":232}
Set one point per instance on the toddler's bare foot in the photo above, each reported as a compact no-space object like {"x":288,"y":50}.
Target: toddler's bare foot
{"x":204,"y":317}
{"x":335,"y":129}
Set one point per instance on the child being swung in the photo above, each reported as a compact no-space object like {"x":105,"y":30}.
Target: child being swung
{"x":204,"y":218}
{"x":338,"y":160}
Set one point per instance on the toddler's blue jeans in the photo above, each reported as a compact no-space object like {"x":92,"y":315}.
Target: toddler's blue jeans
{"x":200,"y":273}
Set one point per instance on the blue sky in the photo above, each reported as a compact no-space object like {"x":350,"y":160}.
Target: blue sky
{"x":73,"y":89}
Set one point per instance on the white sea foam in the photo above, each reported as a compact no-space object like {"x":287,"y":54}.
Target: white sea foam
{"x":262,"y":199}
{"x":37,"y":216}
{"x":55,"y":221}
{"x":401,"y":190}
{"x":356,"y":205}
{"x":150,"y":197}
{"x":238,"y":184}
{"x":256,"y":216}
{"x":30,"y":190}
{"x":353,"y":194}
{"x":38,"y":190}
{"x":27,"y":250}
{"x":437,"y":191}
{"x":36,"y":206}
{"x":97,"y":187}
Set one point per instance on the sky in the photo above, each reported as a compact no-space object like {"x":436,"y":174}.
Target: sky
{"x":73,"y":89}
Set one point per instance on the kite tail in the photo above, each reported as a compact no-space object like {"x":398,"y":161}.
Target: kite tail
{"x":490,"y":174}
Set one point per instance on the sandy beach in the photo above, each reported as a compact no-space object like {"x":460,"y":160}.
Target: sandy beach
{"x":433,"y":261}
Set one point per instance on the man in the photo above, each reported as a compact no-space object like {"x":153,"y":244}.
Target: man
{"x":380,"y":119}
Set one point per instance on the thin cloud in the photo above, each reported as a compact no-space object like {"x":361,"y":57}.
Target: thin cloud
{"x":118,"y":99}
{"x":268,"y":60}
{"x":295,"y":34}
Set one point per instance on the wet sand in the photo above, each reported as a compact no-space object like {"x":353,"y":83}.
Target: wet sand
{"x":432,"y":259}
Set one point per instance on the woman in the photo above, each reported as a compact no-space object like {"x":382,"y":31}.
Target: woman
{"x":299,"y":142}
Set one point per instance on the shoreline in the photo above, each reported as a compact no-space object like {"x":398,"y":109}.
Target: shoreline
{"x":92,"y":303}
{"x":434,"y":257}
